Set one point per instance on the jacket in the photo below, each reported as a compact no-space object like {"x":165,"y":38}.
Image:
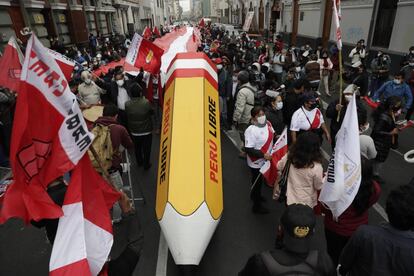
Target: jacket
{"x":90,"y":94}
{"x":312,"y":70}
{"x":112,"y":89}
{"x":389,"y":89}
{"x":382,"y":139}
{"x":378,"y":250}
{"x":139,"y":112}
{"x":350,"y":220}
{"x":225,"y":83}
{"x":332,"y":114}
{"x":244,"y":103}
{"x":275,"y":117}
{"x":119,"y":136}
{"x":291,"y":103}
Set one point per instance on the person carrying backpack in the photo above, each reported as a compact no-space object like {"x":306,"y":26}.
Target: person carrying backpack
{"x":293,"y":255}
{"x":109,"y":137}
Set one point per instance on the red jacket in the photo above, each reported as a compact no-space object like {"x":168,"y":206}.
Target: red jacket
{"x":349,"y":221}
{"x":119,"y":136}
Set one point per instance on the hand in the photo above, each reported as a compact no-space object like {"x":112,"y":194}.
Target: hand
{"x":125,"y":203}
{"x":267,"y":156}
{"x":339,"y":107}
{"x":328,"y":137}
{"x":394,"y":131}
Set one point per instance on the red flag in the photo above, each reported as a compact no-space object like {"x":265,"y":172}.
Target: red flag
{"x":145,"y":54}
{"x":49,"y":136}
{"x":84,"y":236}
{"x":147,"y":33}
{"x":201,"y":24}
{"x":66,"y":64}
{"x":11,"y":66}
{"x":269,"y":169}
{"x":156,"y":31}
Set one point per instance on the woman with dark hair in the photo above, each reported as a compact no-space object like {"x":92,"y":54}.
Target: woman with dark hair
{"x":305,"y":176}
{"x":338,"y":232}
{"x":385,"y":132}
{"x":258,"y":145}
{"x":274,"y":114}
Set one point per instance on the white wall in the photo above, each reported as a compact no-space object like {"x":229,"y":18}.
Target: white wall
{"x":403,"y":33}
{"x":354,"y":24}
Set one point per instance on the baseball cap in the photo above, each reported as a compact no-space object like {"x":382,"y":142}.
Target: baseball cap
{"x":298,"y":224}
{"x":309,"y":96}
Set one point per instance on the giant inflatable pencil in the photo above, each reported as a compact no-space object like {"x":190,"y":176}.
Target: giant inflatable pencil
{"x":189,"y":186}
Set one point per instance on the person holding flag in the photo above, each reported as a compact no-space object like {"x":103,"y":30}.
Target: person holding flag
{"x":258,"y":145}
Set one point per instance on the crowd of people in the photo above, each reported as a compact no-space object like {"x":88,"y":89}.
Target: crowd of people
{"x":263,"y":89}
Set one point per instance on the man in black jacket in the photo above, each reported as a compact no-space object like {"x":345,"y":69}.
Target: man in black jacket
{"x":293,"y":255}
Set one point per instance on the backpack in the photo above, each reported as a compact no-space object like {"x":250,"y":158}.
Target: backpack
{"x":103,"y":147}
{"x":308,"y":267}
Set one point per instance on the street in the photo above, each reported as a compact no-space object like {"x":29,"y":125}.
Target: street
{"x":240,"y":233}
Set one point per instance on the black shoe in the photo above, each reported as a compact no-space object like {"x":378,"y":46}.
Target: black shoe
{"x":260,"y":210}
{"x":147,"y":167}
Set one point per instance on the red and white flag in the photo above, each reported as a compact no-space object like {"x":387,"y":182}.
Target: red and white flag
{"x":49,"y":136}
{"x":279,"y":150}
{"x":156,"y":31}
{"x":66,"y":64}
{"x":145,"y":54}
{"x":84,"y":236}
{"x":11,"y":66}
{"x":337,"y":19}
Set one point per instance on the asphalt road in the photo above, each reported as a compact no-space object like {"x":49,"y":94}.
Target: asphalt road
{"x":25,"y":250}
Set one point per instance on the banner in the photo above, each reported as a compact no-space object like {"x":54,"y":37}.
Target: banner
{"x":248,"y":21}
{"x":66,"y":64}
{"x":344,"y":170}
{"x":49,"y":136}
{"x":337,"y":19}
{"x":145,"y":54}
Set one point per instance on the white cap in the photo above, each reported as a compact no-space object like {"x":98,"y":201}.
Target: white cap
{"x":272,"y":93}
{"x":257,"y":65}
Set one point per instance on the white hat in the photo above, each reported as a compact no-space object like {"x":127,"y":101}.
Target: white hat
{"x":257,"y":65}
{"x":272,"y":93}
{"x":357,"y":64}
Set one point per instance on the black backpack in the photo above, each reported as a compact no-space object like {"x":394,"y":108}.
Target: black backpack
{"x":308,"y":267}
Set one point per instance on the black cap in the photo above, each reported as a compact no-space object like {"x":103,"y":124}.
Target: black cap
{"x":310,"y":96}
{"x":298,"y":224}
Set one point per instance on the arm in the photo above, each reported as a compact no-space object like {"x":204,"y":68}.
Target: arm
{"x":351,"y":54}
{"x":372,"y":151}
{"x":331,"y":111}
{"x":330,"y":64}
{"x":318,"y":177}
{"x":379,"y":92}
{"x":326,"y":131}
{"x":254,"y":152}
{"x":408,"y":97}
{"x":126,"y":140}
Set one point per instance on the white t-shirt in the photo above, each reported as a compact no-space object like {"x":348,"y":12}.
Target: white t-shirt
{"x":256,"y":137}
{"x":123,"y":97}
{"x":277,"y":68}
{"x":300,"y":122}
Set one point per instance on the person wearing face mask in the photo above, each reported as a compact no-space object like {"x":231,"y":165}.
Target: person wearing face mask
{"x":224,"y":89}
{"x":89,"y":92}
{"x":258,"y":145}
{"x":408,"y":69}
{"x":380,"y":67}
{"x":273,"y":110}
{"x":366,"y":142}
{"x":407,"y":57}
{"x":334,"y":107}
{"x":360,"y":78}
{"x":326,"y":66}
{"x":309,"y":118}
{"x":396,"y":87}
{"x":278,"y":62}
{"x":385,"y":132}
{"x":358,"y":53}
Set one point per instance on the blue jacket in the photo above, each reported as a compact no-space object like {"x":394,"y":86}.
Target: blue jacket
{"x":389,"y":89}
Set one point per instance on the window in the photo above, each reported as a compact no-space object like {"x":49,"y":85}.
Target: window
{"x":384,"y":23}
{"x":302,"y":14}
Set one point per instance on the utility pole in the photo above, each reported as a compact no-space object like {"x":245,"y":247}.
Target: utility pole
{"x":295,"y":22}
{"x":327,"y":22}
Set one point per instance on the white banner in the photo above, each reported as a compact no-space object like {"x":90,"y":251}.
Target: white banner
{"x":344,"y":170}
{"x":248,"y":21}
{"x":133,"y":49}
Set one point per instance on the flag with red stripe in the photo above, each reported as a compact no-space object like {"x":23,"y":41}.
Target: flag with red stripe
{"x":144,"y":54}
{"x":49,"y":136}
{"x":66,"y":64}
{"x":11,"y":66}
{"x":279,"y":150}
{"x":84,"y":236}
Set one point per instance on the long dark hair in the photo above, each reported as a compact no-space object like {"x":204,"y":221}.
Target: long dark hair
{"x":385,"y":106}
{"x":361,"y":200}
{"x":305,"y":151}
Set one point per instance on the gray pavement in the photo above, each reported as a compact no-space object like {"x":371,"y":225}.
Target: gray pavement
{"x":240,"y":233}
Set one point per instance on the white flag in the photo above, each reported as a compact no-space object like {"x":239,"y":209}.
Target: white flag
{"x":337,"y":17}
{"x":344,"y":171}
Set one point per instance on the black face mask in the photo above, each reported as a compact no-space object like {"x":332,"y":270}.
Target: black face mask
{"x":313,"y":105}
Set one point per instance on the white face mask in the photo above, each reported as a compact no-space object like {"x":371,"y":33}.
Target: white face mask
{"x":88,"y":81}
{"x":411,"y":64}
{"x":234,"y":78}
{"x":219,"y":66}
{"x":364,"y":128}
{"x":397,"y":81}
{"x":298,"y":69}
{"x":412,"y":52}
{"x":261,"y":120}
{"x":348,"y":98}
{"x":279,"y":105}
{"x":120,"y":83}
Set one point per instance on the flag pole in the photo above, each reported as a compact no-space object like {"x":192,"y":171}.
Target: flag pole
{"x":340,"y":83}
